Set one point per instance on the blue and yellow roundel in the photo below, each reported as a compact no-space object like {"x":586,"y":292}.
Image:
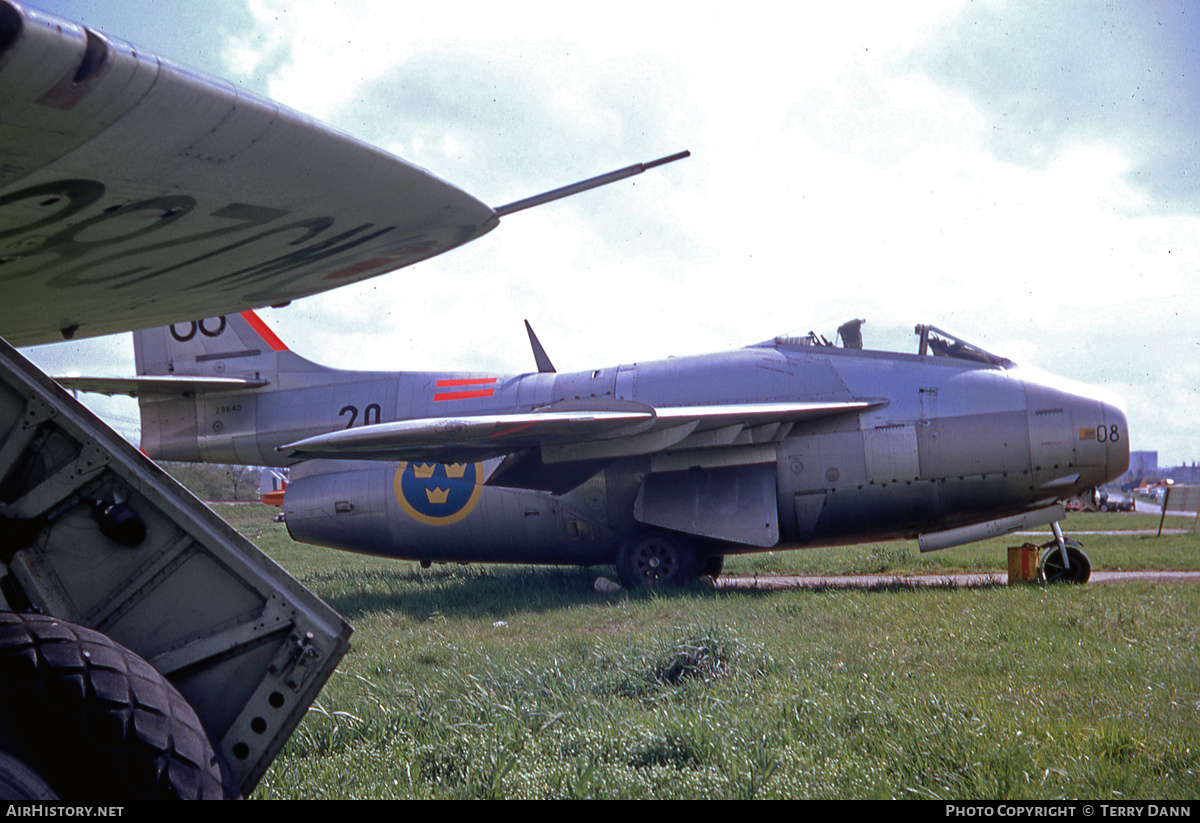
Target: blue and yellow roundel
{"x":438,"y":494}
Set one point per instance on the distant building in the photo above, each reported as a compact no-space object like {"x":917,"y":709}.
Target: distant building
{"x":1144,"y":466}
{"x":1188,"y":475}
{"x":1141,"y":463}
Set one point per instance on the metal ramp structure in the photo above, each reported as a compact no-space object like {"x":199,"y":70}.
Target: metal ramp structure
{"x":94,"y":534}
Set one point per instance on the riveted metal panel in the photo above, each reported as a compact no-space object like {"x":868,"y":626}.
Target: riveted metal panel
{"x":735,"y":503}
{"x":973,"y":444}
{"x":891,"y":452}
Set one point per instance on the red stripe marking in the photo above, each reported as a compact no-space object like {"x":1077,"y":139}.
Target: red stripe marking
{"x":265,"y":333}
{"x":510,"y":431}
{"x":463,"y":395}
{"x":355,"y":269}
{"x":467,"y":381}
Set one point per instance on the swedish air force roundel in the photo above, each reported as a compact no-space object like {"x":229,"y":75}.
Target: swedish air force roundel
{"x":438,"y":494}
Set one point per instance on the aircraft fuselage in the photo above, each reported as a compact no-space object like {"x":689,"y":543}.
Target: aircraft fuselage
{"x":946,"y":442}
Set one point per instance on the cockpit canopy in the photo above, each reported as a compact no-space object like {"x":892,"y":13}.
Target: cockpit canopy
{"x":932,"y":342}
{"x":938,"y":343}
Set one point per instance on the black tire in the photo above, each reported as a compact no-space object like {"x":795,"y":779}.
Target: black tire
{"x":655,"y":559}
{"x":1051,"y":569}
{"x":94,"y":720}
{"x":19,"y":783}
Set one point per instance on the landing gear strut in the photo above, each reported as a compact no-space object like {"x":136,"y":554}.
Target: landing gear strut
{"x":1063,"y":561}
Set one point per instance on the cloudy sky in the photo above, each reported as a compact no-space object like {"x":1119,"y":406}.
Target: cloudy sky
{"x":1024,"y":175}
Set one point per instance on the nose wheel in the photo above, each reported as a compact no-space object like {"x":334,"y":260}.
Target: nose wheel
{"x":1063,"y":561}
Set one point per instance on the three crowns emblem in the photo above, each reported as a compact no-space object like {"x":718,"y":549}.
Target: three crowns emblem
{"x":438,"y":496}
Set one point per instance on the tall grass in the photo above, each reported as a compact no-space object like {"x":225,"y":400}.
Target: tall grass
{"x":490,"y":682}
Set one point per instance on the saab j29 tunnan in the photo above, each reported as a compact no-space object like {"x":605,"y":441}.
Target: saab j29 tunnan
{"x":661,"y":468}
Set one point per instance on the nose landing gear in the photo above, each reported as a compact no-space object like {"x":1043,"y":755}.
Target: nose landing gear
{"x":1063,"y":561}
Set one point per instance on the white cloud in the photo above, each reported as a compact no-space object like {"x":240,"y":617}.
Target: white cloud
{"x":968,"y":165}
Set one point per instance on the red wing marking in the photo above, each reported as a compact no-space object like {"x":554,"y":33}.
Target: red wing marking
{"x":355,"y":269}
{"x":510,"y":431}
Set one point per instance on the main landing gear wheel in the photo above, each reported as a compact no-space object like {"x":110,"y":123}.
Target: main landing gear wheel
{"x":88,"y":719}
{"x":655,"y":558}
{"x":1052,"y":570}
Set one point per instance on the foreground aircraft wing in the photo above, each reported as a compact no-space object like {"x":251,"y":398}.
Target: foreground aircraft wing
{"x":135,"y":192}
{"x":563,"y":436}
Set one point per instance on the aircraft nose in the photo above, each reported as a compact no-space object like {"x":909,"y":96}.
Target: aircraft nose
{"x":1078,"y":436}
{"x":1101,"y":439}
{"x":1116,"y":440}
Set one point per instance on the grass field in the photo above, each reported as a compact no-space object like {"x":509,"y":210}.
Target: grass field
{"x":516,"y":682}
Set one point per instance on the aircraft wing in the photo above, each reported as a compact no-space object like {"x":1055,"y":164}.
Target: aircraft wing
{"x":565,"y":436}
{"x":469,"y":438}
{"x":135,"y":192}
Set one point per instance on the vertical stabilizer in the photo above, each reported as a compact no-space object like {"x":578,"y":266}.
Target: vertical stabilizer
{"x":232,"y":345}
{"x":215,"y":426}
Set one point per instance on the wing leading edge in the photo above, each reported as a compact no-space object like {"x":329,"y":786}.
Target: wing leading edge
{"x":565,"y":436}
{"x":135,"y":192}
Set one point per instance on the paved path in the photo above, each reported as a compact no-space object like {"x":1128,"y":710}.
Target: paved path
{"x":875,"y":581}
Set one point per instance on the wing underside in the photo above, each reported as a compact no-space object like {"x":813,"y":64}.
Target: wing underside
{"x":135,"y":192}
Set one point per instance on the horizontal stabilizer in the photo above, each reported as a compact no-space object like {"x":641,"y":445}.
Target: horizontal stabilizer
{"x":157,"y":386}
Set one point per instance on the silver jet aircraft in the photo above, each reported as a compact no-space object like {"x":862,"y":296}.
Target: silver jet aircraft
{"x":662,"y":468}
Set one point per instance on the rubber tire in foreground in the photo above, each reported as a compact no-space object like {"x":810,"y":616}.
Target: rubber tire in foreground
{"x":655,"y":558}
{"x":1051,"y":569}
{"x":94,"y":720}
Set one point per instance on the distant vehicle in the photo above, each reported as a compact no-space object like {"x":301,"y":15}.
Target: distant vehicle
{"x":1108,"y":504}
{"x":1099,"y":502}
{"x":1151,"y":487}
{"x":662,"y":468}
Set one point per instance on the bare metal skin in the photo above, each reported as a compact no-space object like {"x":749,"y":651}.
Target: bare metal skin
{"x":662,"y":467}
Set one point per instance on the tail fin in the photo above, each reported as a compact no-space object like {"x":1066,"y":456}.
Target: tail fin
{"x":233,"y":345}
{"x":181,"y":419}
